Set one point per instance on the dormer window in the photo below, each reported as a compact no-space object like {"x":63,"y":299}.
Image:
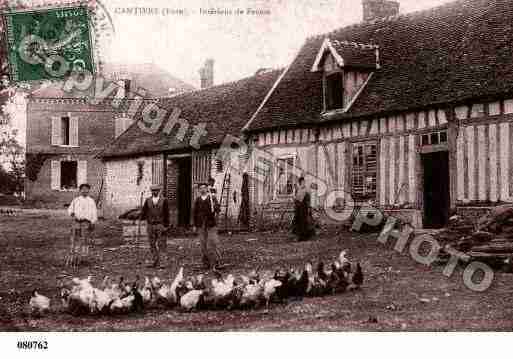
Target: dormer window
{"x":127,"y":83}
{"x":347,"y":67}
{"x":334,"y":90}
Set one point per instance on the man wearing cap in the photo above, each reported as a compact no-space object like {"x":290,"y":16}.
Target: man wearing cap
{"x":155,"y":212}
{"x":206,"y":208}
{"x":84,"y":213}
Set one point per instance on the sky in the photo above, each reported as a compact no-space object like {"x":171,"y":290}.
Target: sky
{"x":240,"y":44}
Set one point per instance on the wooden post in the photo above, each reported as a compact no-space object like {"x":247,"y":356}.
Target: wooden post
{"x":452,"y":133}
{"x":164,"y":174}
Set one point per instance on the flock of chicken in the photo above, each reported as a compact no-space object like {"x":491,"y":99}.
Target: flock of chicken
{"x":199,"y":292}
{"x":8,"y":212}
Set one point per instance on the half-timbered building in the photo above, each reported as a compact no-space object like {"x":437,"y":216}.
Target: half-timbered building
{"x":412,"y":113}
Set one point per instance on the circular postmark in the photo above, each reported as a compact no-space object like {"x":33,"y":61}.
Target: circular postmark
{"x":103,"y":30}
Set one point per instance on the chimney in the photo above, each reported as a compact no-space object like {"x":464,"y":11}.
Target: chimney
{"x":207,"y":74}
{"x":379,"y":9}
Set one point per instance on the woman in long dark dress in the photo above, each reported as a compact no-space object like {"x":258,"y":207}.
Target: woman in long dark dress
{"x":302,"y":223}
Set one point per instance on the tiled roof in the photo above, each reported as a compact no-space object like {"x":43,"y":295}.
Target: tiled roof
{"x":148,"y":76}
{"x":355,"y":54}
{"x":225,"y":109}
{"x":451,"y":53}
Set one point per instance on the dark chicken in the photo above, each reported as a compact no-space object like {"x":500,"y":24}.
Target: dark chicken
{"x":358,"y":276}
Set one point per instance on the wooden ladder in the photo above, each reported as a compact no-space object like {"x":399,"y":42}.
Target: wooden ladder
{"x":225,"y":198}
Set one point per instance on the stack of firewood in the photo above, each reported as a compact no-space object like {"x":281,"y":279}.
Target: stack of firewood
{"x":457,"y":228}
{"x":489,"y":240}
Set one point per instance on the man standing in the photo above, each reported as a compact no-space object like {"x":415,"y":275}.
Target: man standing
{"x":83,"y":210}
{"x":155,"y":212}
{"x":206,"y":208}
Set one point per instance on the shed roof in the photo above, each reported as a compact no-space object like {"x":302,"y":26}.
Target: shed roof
{"x":224,"y":109}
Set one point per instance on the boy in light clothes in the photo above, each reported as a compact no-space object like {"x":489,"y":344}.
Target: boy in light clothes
{"x":83,"y":210}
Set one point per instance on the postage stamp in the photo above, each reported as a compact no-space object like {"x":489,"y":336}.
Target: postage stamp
{"x":48,"y":43}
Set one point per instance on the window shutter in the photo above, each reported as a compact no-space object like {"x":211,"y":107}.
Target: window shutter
{"x":73,"y":131}
{"x":364,"y":171}
{"x":56,"y":131}
{"x":55,"y":175}
{"x":201,"y":163}
{"x":82,"y":172}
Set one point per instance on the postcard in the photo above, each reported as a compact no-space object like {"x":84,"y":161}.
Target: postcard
{"x":254,"y":166}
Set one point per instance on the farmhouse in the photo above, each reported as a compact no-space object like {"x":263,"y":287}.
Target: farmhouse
{"x":139,"y":158}
{"x":409,"y":112}
{"x":65,"y":130}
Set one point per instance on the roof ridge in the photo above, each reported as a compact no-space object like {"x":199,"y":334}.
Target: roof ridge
{"x":224,"y":84}
{"x":355,"y":44}
{"x":412,"y":14}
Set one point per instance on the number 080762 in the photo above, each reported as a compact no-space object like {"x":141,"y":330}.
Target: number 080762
{"x":33,"y":344}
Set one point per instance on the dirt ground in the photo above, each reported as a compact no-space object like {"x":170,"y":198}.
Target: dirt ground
{"x":32,"y":247}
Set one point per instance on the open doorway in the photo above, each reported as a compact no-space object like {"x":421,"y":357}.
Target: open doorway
{"x":184,"y":191}
{"x":436,"y":189}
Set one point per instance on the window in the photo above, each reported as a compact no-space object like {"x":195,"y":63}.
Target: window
{"x":364,"y":171}
{"x":219,"y":165}
{"x":65,"y":131}
{"x":334,"y":91}
{"x":285,"y":179}
{"x":443,"y":137}
{"x":434,"y":138}
{"x":69,"y":172}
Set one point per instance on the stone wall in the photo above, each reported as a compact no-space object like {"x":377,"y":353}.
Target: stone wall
{"x":123,"y":185}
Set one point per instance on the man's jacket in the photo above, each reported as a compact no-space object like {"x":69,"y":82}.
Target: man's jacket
{"x":156,"y":214}
{"x":205,"y":211}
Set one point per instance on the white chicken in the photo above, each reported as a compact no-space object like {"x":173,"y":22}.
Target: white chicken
{"x":101,"y":300}
{"x":342,"y":258}
{"x":222,"y":288}
{"x":156,"y":282}
{"x":344,"y":263}
{"x":252,"y":294}
{"x":39,"y":304}
{"x":311,"y":277}
{"x":220,"y":291}
{"x":122,"y":305}
{"x":269,"y":290}
{"x":146,"y":291}
{"x":177,"y":280}
{"x":167,"y":293}
{"x":190,"y":300}
{"x":82,"y":293}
